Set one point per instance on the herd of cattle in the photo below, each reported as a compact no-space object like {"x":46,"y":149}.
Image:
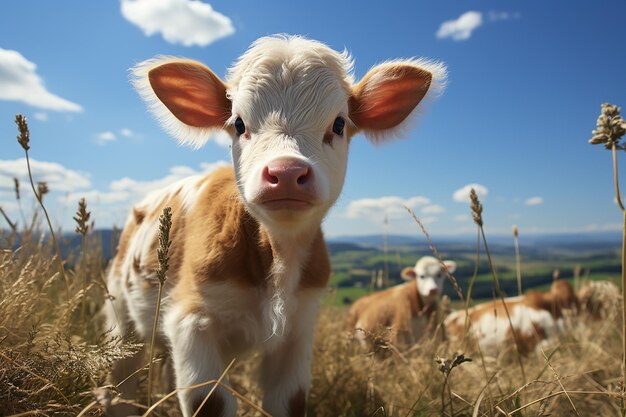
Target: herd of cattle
{"x":406,"y":313}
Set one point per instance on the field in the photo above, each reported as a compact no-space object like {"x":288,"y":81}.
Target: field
{"x":55,"y":352}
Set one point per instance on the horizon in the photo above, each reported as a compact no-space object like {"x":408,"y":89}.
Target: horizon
{"x":523,"y":96}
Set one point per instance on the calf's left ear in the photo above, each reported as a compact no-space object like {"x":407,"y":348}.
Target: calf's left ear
{"x":408,"y":273}
{"x":390,"y":93}
{"x":450,"y":265}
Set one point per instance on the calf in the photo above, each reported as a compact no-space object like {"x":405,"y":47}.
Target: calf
{"x":248,"y":260}
{"x":536,"y":318}
{"x":405,"y":310}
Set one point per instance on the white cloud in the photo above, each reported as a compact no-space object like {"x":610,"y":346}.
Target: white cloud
{"x":19,"y":81}
{"x":108,"y":206}
{"x":377,"y":208}
{"x":126,"y":191}
{"x":534,"y":201}
{"x":126,"y":132}
{"x":462,"y":194}
{"x":461,"y":28}
{"x":433,"y":209}
{"x":105,"y":137}
{"x":41,"y":116}
{"x":56,"y":175}
{"x":186,"y":22}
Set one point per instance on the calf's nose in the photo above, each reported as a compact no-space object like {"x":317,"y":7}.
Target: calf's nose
{"x":287,"y":173}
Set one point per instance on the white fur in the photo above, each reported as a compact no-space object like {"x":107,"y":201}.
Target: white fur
{"x":431,"y":275}
{"x":492,"y":331}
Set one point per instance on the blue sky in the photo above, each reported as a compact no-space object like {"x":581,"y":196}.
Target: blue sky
{"x":526,"y":80}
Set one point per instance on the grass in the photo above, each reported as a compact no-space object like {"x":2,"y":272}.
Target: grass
{"x":55,"y":355}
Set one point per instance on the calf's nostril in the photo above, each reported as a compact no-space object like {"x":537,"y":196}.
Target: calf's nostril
{"x":304,"y":177}
{"x":269,"y":177}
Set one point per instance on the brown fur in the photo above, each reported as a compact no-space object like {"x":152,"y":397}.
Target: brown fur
{"x":560,"y":298}
{"x":218,"y":240}
{"x":392,"y":308}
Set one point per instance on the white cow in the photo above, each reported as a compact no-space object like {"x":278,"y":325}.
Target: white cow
{"x":248,"y":259}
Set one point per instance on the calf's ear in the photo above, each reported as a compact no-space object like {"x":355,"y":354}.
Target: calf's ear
{"x":389,"y":95}
{"x":450,"y":265}
{"x":187,"y":98}
{"x":408,"y":273}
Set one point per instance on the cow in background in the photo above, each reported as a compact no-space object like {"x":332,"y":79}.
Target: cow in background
{"x":405,"y":311}
{"x":536,"y":317}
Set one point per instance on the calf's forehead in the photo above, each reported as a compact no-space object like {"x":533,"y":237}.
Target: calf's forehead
{"x":292,"y":79}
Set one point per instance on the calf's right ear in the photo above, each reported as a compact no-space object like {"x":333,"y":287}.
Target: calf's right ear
{"x":186,"y":97}
{"x":390,"y":94}
{"x":408,"y":273}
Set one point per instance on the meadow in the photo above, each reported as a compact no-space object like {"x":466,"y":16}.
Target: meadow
{"x":55,"y":351}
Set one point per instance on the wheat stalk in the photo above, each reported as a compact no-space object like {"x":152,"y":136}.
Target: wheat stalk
{"x":24,"y":140}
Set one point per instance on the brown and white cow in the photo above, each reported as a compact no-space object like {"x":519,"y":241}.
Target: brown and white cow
{"x":248,"y":259}
{"x":537,"y":318}
{"x":404,"y":311}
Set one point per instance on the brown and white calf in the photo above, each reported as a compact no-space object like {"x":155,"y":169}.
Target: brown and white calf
{"x":404,"y":311}
{"x":248,"y":259}
{"x":537,"y":318}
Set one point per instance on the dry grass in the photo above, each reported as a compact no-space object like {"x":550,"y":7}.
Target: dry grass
{"x":55,"y":354}
{"x":51,"y":361}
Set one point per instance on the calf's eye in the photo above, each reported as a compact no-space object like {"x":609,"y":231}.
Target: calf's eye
{"x":338,"y":126}
{"x":240,"y":126}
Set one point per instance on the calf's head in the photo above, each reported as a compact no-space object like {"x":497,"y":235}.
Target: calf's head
{"x":291,"y":106}
{"x":429,"y":276}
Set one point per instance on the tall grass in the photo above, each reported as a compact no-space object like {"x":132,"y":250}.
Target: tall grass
{"x":610,"y":127}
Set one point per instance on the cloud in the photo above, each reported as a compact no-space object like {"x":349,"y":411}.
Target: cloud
{"x":534,"y":201}
{"x":125,"y":191}
{"x":126,"y":132}
{"x":433,"y":209}
{"x":19,"y":81}
{"x":56,"y":175}
{"x":377,"y":208}
{"x":41,"y":116}
{"x":186,"y":22}
{"x":105,"y":137}
{"x":460,"y":29}
{"x":109,"y":206}
{"x":462,"y":194}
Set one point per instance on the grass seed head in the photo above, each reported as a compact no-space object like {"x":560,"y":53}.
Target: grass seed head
{"x":82,"y":217}
{"x":165,"y":224}
{"x":24,"y":135}
{"x":42,"y":189}
{"x":610,"y":127}
{"x":477,"y":208}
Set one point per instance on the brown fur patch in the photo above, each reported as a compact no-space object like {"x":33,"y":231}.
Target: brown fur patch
{"x":297,"y":404}
{"x":213,"y":407}
{"x":394,"y":307}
